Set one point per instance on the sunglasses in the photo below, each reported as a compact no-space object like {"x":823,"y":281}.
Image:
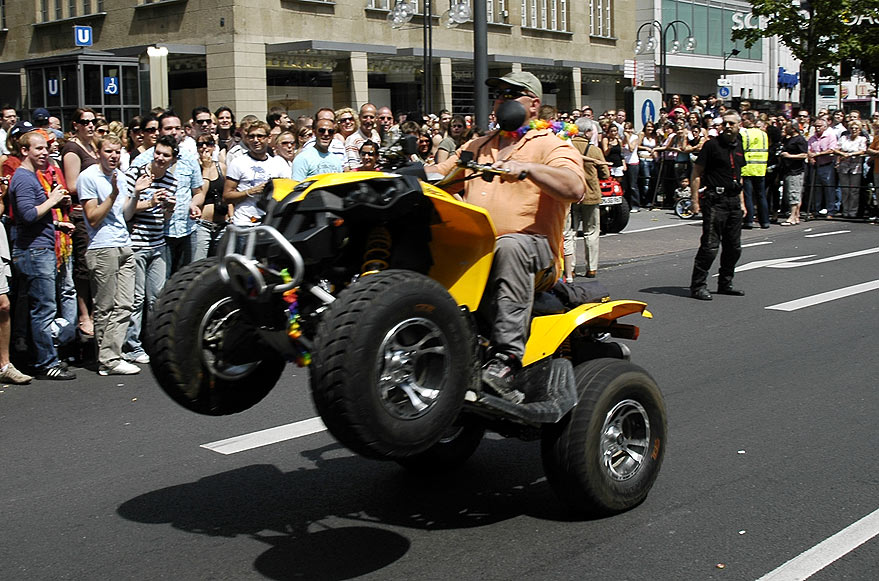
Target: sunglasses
{"x":202,"y":121}
{"x":325,"y":131}
{"x":346,"y":120}
{"x":370,"y":153}
{"x":102,"y":131}
{"x":210,"y":143}
{"x":150,"y":129}
{"x":388,"y":118}
{"x":509,"y":94}
{"x":257,"y":136}
{"x":86,"y":121}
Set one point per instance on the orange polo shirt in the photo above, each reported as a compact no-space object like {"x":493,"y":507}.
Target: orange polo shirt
{"x":521,"y":207}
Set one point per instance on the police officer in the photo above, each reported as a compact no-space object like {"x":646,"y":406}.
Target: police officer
{"x":755,"y":142}
{"x":719,"y":168}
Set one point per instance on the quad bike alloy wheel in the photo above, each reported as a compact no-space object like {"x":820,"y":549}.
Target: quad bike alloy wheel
{"x":604,"y":456}
{"x":392,"y":361}
{"x":204,"y":353}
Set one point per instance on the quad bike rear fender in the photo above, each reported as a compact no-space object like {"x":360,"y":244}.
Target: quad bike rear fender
{"x":549,"y":331}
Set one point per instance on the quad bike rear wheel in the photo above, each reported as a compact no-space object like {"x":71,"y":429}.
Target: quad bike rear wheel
{"x":393,"y":358}
{"x":604,"y":456}
{"x":204,"y":353}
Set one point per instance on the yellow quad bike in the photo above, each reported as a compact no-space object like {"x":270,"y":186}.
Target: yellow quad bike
{"x":374,"y":281}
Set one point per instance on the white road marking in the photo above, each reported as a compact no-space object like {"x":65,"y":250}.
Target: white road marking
{"x":265,"y":437}
{"x":827,"y":551}
{"x":826,"y":297}
{"x":675,"y":225}
{"x":828,"y":259}
{"x":767,"y":263}
{"x":756,"y":244}
{"x":826,"y":233}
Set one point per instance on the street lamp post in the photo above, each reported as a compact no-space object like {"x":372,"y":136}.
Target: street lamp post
{"x":662,"y":33}
{"x":726,"y":57}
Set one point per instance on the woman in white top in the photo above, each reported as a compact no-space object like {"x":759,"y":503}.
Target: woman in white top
{"x":850,"y":151}
{"x":630,"y":154}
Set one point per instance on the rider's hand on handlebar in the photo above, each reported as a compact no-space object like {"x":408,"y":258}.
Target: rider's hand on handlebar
{"x":512,"y":170}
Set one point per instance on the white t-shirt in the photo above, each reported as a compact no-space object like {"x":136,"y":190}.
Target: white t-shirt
{"x":250,"y":172}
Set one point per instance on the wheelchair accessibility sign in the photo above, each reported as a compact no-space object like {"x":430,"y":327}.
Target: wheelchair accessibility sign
{"x":111,"y":85}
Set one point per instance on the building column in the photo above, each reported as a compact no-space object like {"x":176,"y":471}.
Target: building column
{"x":516,"y":68}
{"x":351,"y":82}
{"x":237,"y":77}
{"x":576,"y":88}
{"x":443,"y":94}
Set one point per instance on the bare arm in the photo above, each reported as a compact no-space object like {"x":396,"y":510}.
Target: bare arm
{"x":559,"y":183}
{"x":72,"y":167}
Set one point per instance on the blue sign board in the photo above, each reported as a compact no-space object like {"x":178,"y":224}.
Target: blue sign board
{"x":53,"y":87}
{"x":724,"y":92}
{"x":111,"y":85}
{"x":648,"y":112}
{"x":82,"y":35}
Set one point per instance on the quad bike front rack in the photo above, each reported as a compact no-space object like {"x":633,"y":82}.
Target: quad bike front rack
{"x":245,"y":274}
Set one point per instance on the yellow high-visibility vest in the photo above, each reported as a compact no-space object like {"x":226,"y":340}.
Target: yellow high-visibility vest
{"x":756,"y":145}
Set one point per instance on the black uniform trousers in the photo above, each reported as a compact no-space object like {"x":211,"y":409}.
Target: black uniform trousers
{"x":721,"y":228}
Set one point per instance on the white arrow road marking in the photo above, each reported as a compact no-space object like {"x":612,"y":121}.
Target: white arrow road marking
{"x":827,"y":551}
{"x":828,"y":259}
{"x":826,"y":297}
{"x":826,"y":234}
{"x":265,"y":437}
{"x":768,"y":263}
{"x":756,"y":244}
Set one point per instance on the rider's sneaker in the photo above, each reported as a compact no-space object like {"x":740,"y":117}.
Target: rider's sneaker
{"x":499,"y":375}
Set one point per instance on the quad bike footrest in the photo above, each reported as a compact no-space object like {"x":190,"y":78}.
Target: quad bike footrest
{"x":550,"y":392}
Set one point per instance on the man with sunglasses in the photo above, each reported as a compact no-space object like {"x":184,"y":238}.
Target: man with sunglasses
{"x":367,"y":131}
{"x":247,"y":175}
{"x":181,"y":226}
{"x":529,"y":204}
{"x":312,"y":161}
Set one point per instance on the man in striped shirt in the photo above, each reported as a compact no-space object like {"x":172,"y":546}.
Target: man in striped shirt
{"x":154,"y":186}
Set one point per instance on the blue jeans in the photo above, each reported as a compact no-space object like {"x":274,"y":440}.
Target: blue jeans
{"x":150,"y":273}
{"x":645,"y":180}
{"x":755,"y":190}
{"x":37,"y":269}
{"x":64,"y":325}
{"x":824,"y":175}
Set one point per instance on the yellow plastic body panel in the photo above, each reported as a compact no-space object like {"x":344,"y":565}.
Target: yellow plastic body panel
{"x":549,"y":331}
{"x":462,"y":246}
{"x":282,"y":188}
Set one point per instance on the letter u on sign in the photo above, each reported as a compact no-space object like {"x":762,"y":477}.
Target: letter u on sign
{"x":82,"y":35}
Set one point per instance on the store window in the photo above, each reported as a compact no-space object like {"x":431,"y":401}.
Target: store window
{"x":711,"y":23}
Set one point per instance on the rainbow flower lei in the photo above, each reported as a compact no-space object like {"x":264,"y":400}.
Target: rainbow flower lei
{"x":561,"y":129}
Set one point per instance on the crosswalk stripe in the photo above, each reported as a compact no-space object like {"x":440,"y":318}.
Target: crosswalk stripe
{"x":825,"y":297}
{"x":265,"y":437}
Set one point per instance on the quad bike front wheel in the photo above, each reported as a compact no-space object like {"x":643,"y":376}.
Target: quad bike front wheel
{"x":604,"y":456}
{"x":204,"y":353}
{"x":393,"y":358}
{"x":457,"y":444}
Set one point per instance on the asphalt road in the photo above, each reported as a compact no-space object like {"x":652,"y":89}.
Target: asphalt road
{"x":771,"y":433}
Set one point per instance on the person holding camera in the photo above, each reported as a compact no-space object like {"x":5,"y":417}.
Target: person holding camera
{"x":719,"y":169}
{"x":33,"y":253}
{"x":153,"y":186}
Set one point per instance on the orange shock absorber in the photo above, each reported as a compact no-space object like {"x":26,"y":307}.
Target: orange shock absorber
{"x":378,"y":251}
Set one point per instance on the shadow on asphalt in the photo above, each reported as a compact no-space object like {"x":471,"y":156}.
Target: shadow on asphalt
{"x":298,"y":513}
{"x":675,"y":291}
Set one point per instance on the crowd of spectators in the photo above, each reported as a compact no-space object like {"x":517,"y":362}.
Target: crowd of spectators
{"x":823,"y":162}
{"x":100,"y":214}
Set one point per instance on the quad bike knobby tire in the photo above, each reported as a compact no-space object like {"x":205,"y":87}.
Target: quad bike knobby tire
{"x":393,"y":358}
{"x":455,"y":447}
{"x":203,"y":352}
{"x":615,"y":218}
{"x":604,"y":456}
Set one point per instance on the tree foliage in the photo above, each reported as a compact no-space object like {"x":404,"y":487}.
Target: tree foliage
{"x":819,"y":39}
